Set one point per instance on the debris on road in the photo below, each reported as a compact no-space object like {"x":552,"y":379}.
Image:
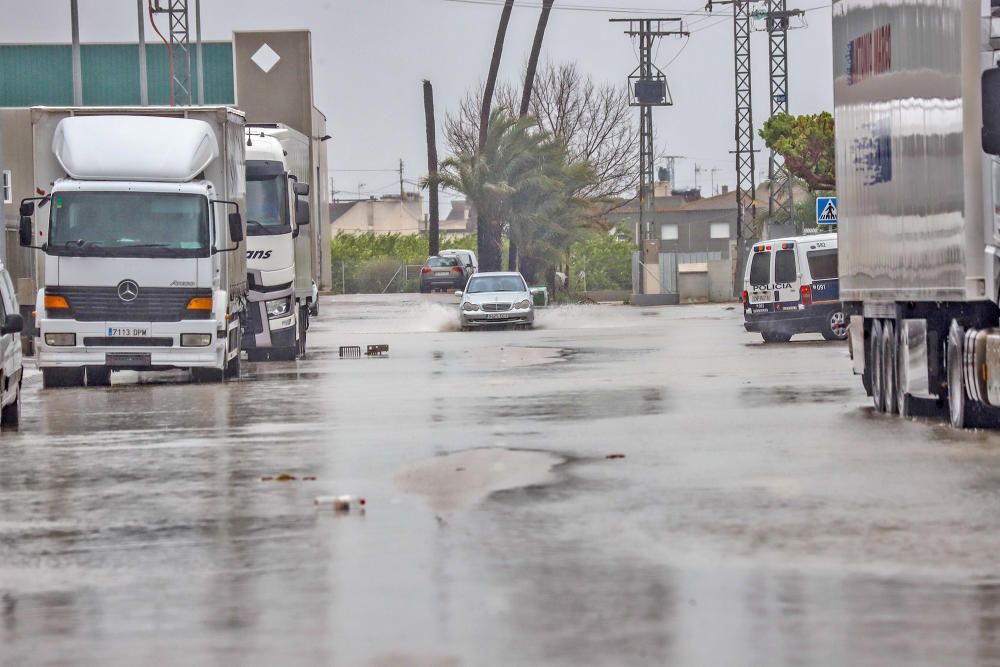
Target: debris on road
{"x":377,"y":350}
{"x":338,"y":503}
{"x":615,"y":456}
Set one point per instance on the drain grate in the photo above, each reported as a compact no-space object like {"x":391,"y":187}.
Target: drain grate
{"x":350,"y":352}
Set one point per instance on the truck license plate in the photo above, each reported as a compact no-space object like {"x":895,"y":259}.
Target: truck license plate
{"x":127,"y":332}
{"x":127,"y":359}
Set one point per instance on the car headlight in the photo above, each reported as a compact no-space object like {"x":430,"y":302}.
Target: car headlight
{"x":278,"y":307}
{"x":521,"y":305}
{"x":469,"y":306}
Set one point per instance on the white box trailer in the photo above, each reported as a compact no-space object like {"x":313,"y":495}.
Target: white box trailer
{"x":917,"y":108}
{"x":141,"y":258}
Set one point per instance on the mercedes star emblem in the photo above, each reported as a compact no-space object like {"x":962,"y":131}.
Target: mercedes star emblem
{"x":128,"y":290}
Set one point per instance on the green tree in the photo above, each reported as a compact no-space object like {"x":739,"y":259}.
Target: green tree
{"x":807,"y":144}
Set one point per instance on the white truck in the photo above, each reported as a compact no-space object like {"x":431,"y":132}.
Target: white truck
{"x":139,"y":234}
{"x":917,"y":108}
{"x":281,"y":270}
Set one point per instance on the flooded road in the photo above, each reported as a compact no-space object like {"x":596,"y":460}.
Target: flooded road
{"x":615,"y":487}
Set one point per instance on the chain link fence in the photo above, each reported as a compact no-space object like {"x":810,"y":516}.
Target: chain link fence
{"x":376,"y":276}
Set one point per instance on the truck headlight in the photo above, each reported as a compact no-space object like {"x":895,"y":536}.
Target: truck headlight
{"x":196,"y":340}
{"x":60,"y":339}
{"x":521,"y":305}
{"x":278,"y":307}
{"x":469,"y":306}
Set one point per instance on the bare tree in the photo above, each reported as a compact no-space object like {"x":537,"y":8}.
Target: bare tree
{"x":594,"y":120}
{"x":434,"y":233}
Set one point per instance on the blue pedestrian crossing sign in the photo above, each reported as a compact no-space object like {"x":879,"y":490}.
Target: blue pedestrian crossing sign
{"x":826,"y":210}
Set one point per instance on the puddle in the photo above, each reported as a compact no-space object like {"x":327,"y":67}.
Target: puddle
{"x":460,"y":480}
{"x":771,"y":396}
{"x":597,"y":404}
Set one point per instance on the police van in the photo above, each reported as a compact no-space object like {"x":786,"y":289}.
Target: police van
{"x":791,"y":286}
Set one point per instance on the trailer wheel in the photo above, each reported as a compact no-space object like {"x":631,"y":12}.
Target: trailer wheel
{"x":875,"y":357}
{"x":957,"y":403}
{"x":890,"y":380}
{"x":904,"y":401}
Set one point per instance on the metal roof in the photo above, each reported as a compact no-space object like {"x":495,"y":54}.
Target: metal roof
{"x":42,"y":74}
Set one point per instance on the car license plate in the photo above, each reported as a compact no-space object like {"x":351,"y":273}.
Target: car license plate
{"x":496,"y":316}
{"x":760,"y":297}
{"x":128,"y":332}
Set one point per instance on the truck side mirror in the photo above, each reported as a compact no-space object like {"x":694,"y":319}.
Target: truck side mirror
{"x":301,"y":211}
{"x":991,"y":111}
{"x":27,"y":208}
{"x":13,"y":323}
{"x":235,"y":227}
{"x":24,"y":231}
{"x":301,"y":189}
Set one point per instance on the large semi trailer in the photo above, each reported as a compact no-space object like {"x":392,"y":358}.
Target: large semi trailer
{"x":917,"y":99}
{"x":139,"y":235}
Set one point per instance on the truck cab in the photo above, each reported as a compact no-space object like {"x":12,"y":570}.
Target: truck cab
{"x":137,"y":248}
{"x":790,"y":286}
{"x":277,"y":314}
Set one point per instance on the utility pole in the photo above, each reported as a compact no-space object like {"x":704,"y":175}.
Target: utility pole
{"x":74,"y":18}
{"x":178,"y":48}
{"x":648,"y":86}
{"x":780,"y":206}
{"x":746,"y":206}
{"x":433,"y":221}
{"x":143,"y":83}
{"x":401,"y":193}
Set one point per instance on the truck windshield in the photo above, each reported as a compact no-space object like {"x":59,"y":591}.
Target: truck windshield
{"x":128,"y":224}
{"x":267,"y":197}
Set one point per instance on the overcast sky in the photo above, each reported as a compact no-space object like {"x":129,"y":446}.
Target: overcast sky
{"x":370,"y":57}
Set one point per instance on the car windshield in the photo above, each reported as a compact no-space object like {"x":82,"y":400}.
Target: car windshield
{"x":128,"y":224}
{"x":442,"y":261}
{"x":497,"y":284}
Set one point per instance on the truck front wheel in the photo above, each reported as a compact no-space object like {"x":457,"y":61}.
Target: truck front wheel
{"x":62,"y":377}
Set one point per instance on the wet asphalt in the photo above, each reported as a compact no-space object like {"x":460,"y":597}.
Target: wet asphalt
{"x":762,"y":514}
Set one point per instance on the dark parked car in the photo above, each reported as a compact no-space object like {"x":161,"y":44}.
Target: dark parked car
{"x":442,"y":273}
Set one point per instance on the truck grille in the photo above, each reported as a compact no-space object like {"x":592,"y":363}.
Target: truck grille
{"x":115,"y":341}
{"x":496,"y":307}
{"x":153,"y":304}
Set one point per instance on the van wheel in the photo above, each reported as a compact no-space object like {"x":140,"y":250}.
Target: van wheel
{"x":875,"y":361}
{"x":775,"y":337}
{"x":62,"y":377}
{"x":957,"y":404}
{"x":836,"y":326}
{"x":10,"y":415}
{"x":890,"y":384}
{"x":98,"y":376}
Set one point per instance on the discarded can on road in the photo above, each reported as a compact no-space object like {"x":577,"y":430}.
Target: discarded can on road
{"x":338,"y":503}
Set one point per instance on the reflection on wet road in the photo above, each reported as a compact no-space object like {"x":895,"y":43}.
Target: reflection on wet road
{"x":761,"y":515}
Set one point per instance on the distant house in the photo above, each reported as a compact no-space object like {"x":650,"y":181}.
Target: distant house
{"x":686,"y":222}
{"x":387,"y":215}
{"x":461,"y":218}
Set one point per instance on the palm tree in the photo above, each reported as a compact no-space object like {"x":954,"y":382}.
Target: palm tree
{"x":522,"y":179}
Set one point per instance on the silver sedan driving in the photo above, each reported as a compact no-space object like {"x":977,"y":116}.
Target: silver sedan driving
{"x":496,"y":299}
